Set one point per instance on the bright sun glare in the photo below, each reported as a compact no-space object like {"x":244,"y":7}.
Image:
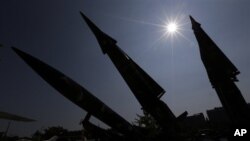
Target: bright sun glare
{"x":171,"y":27}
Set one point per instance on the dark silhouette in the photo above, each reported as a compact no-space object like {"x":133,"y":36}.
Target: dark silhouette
{"x":144,"y":88}
{"x":77,"y":94}
{"x":159,"y":122}
{"x":222,"y":75}
{"x":94,"y":132}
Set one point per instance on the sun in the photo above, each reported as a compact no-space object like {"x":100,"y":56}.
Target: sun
{"x":171,"y":27}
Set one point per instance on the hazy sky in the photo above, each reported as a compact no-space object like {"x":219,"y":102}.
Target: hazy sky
{"x":54,"y":32}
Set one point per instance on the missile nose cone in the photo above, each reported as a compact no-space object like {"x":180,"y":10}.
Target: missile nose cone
{"x":192,"y":19}
{"x":103,"y":39}
{"x":15,"y":49}
{"x":84,"y":17}
{"x":25,"y":56}
{"x":19,"y":52}
{"x":91,"y":25}
{"x":194,"y":23}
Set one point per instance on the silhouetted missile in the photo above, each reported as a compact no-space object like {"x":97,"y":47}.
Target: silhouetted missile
{"x":213,"y":58}
{"x":145,"y":89}
{"x":222,"y":75}
{"x":8,"y":116}
{"x":76,"y":93}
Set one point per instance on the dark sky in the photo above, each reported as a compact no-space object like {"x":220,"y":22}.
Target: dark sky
{"x":53,"y":31}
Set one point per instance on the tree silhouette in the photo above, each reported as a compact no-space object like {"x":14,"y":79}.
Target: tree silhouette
{"x":148,"y":123}
{"x":49,"y":132}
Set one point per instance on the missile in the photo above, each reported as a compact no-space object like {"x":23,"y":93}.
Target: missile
{"x":215,"y":61}
{"x":144,"y":88}
{"x":222,"y":75}
{"x":76,"y":93}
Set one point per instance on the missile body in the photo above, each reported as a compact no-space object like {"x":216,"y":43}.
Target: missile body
{"x":77,"y":94}
{"x":222,"y":75}
{"x":144,"y":88}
